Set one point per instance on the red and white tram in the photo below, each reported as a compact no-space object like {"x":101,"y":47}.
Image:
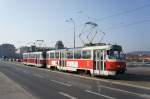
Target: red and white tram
{"x":95,"y":60}
{"x":35,"y":59}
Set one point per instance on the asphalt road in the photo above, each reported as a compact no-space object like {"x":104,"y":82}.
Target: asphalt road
{"x":46,"y":84}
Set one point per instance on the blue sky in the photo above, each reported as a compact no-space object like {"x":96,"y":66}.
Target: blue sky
{"x":25,"y":21}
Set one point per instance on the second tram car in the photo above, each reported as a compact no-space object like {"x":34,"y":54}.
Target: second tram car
{"x":35,"y":59}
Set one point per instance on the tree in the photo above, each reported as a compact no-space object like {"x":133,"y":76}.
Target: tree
{"x":59,"y":45}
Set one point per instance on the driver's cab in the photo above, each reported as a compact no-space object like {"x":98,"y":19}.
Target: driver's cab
{"x":115,"y":59}
{"x":109,"y":61}
{"x":115,"y":53}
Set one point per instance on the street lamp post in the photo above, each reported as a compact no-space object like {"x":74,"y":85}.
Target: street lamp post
{"x":74,"y":38}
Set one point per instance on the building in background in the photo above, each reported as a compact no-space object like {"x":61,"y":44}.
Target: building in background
{"x":23,"y":49}
{"x":138,"y":56}
{"x":7,"y":51}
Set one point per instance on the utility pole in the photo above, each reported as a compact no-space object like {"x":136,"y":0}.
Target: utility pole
{"x":74,"y":38}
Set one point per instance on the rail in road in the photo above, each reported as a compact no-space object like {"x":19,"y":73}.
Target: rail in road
{"x":47,"y":84}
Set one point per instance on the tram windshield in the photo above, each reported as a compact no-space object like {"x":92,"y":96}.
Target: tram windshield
{"x":115,"y":54}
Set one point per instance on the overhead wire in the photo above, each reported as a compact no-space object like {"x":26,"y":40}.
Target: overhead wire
{"x":117,"y":14}
{"x":124,"y":12}
{"x":127,"y":25}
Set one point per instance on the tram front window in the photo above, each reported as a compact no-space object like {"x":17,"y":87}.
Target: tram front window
{"x":115,"y":54}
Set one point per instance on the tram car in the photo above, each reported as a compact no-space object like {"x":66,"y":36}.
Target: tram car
{"x":95,"y":60}
{"x":35,"y":59}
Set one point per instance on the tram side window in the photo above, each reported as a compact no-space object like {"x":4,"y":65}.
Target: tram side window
{"x":24,"y":56}
{"x":63,"y":55}
{"x":69,"y":54}
{"x":77,"y":54}
{"x":86,"y":54}
{"x":56,"y":54}
{"x":30,"y":55}
{"x":51,"y":55}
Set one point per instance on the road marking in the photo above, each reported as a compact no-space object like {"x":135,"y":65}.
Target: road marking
{"x":116,"y":89}
{"x":99,"y":94}
{"x":68,"y":85}
{"x":67,"y":95}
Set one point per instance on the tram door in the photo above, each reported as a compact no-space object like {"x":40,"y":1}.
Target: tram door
{"x":62,"y":63}
{"x":37,"y":59}
{"x":98,"y":61}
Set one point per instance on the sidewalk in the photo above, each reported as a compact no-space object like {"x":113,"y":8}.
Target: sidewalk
{"x":10,"y":90}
